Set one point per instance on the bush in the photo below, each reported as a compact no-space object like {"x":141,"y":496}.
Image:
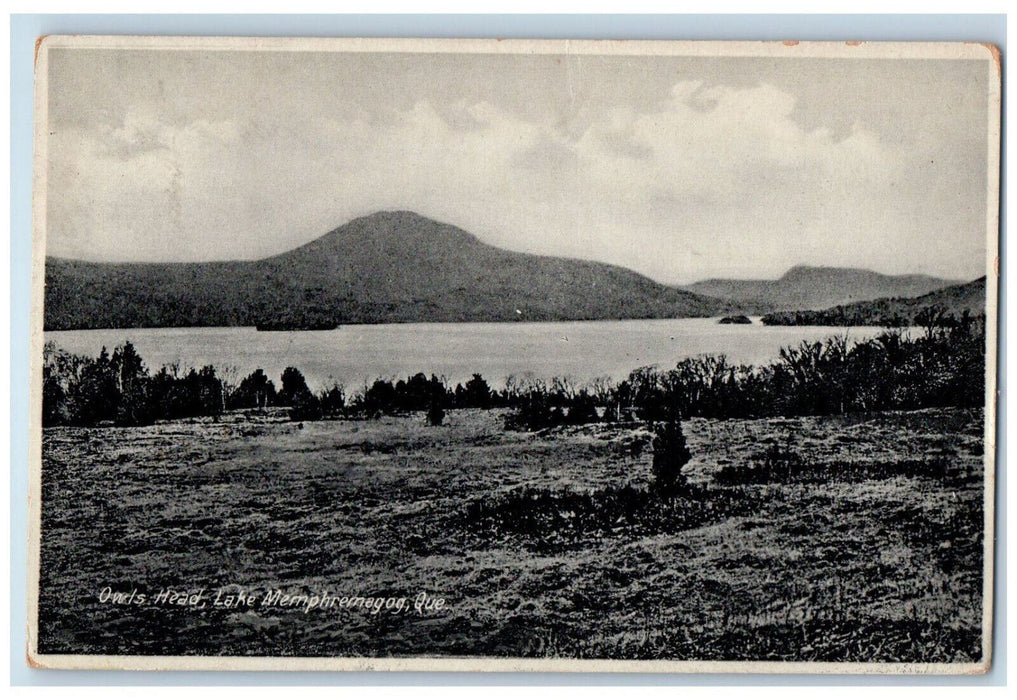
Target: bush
{"x":118,"y":388}
{"x":534,"y":412}
{"x":476,"y":393}
{"x":539,"y":408}
{"x":333,"y":400}
{"x":782,"y":465}
{"x":582,"y":409}
{"x":96,"y":395}
{"x":670,"y":455}
{"x":380,"y":398}
{"x":435,"y":415}
{"x":294,"y":388}
{"x":306,"y":406}
{"x":193,"y":394}
{"x":944,"y":366}
{"x":418,"y":393}
{"x":255,"y":391}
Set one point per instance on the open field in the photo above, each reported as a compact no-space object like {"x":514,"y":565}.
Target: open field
{"x":858,"y":538}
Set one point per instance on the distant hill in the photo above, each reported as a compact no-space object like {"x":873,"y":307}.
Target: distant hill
{"x":804,"y":287}
{"x":952,"y":302}
{"x":386,"y":267}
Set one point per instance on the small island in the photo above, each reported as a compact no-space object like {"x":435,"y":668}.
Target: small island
{"x":297,"y":326}
{"x":741,"y":320}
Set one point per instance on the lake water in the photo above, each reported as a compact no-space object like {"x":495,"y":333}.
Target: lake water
{"x":358,"y":354}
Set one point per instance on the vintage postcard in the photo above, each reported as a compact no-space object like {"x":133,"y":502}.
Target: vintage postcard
{"x":514,"y":355}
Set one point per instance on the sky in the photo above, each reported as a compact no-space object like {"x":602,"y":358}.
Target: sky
{"x":681,"y":168}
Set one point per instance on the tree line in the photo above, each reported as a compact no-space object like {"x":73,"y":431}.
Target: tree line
{"x":890,"y":313}
{"x":941,"y":366}
{"x":119,"y":388}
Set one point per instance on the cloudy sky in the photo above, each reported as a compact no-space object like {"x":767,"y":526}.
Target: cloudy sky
{"x":681,"y":168}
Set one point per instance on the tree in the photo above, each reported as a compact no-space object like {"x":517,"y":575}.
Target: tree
{"x":306,"y":406}
{"x":61,"y":378}
{"x":435,"y":414}
{"x":582,"y":409}
{"x":255,"y":391}
{"x":670,"y":455}
{"x":212,"y":397}
{"x":380,"y":398}
{"x":333,"y":400}
{"x":97,"y":396}
{"x":294,"y":387}
{"x":600,"y":389}
{"x":418,"y":393}
{"x":932,"y":319}
{"x":133,"y":383}
{"x":477,"y":393}
{"x":54,"y":398}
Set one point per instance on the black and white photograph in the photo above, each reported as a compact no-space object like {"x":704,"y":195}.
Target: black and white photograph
{"x":521,"y":355}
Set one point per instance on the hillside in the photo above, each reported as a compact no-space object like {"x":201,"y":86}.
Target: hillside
{"x":953,"y":301}
{"x":383,"y":268}
{"x":804,"y":287}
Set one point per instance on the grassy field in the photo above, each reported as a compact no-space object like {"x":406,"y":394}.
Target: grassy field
{"x":835,"y":539}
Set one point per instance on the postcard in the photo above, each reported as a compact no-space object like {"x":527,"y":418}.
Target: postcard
{"x":406,"y":354}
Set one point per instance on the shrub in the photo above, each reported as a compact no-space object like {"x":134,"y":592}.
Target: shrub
{"x":670,"y":455}
{"x":435,"y":415}
{"x":96,"y":395}
{"x":380,"y":397}
{"x":83,"y":391}
{"x":133,"y":406}
{"x":534,"y":412}
{"x":776,"y":465}
{"x":255,"y":391}
{"x":582,"y":409}
{"x":781,"y":465}
{"x":418,"y":393}
{"x":306,"y":406}
{"x":476,"y":393}
{"x":61,"y":379}
{"x":333,"y":400}
{"x":294,"y":388}
{"x":943,"y":367}
{"x":540,"y":408}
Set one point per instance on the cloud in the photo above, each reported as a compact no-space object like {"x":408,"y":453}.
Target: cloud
{"x":707,"y":180}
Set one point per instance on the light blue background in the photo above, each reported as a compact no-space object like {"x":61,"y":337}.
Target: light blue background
{"x":26,"y":28}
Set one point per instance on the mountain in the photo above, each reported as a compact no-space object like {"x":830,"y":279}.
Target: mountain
{"x":804,"y":287}
{"x":952,"y":302}
{"x":383,"y":268}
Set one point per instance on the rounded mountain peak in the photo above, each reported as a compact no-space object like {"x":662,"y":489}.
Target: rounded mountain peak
{"x":387,"y":233}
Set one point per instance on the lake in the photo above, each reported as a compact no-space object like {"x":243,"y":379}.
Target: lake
{"x":356,"y":355}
